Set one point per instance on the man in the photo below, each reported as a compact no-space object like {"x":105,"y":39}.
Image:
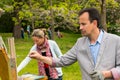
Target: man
{"x":97,"y":52}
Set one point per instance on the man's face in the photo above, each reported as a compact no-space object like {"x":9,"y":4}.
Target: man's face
{"x":86,"y":27}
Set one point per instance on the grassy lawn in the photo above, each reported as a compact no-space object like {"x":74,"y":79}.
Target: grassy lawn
{"x":23,"y":46}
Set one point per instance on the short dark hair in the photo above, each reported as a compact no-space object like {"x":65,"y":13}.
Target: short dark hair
{"x":93,"y":15}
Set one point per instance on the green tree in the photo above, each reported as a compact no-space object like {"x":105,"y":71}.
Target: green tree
{"x":65,"y":12}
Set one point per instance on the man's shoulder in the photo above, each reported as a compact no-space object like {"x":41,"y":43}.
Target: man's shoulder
{"x":112,"y":35}
{"x":82,"y":38}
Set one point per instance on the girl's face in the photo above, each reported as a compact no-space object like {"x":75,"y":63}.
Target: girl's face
{"x":37,"y":40}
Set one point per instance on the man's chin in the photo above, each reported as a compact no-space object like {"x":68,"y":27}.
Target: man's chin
{"x":83,"y":34}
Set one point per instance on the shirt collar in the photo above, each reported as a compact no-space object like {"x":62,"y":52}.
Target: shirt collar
{"x":99,"y":39}
{"x":100,"y":36}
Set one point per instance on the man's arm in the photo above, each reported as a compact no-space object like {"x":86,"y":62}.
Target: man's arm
{"x":36,"y":55}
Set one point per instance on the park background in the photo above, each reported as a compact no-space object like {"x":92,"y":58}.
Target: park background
{"x":57,"y":14}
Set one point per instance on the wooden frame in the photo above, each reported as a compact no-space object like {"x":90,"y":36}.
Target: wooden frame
{"x":7,"y":62}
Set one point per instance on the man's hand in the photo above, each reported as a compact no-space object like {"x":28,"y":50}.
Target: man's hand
{"x":35,"y":55}
{"x":97,"y":75}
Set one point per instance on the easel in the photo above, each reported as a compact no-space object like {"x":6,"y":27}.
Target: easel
{"x":8,"y":68}
{"x":7,"y":63}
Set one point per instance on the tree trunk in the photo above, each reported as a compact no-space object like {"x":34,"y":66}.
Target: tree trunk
{"x":52,"y":22}
{"x":17,"y":31}
{"x":103,"y":14}
{"x":30,"y":3}
{"x":33,"y":24}
{"x":17,"y":27}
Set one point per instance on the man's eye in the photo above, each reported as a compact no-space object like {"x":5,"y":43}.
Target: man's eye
{"x":83,"y":24}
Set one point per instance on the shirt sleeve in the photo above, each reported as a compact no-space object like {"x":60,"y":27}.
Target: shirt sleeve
{"x":116,"y":71}
{"x":26,"y":60}
{"x":116,"y":74}
{"x":23,"y":63}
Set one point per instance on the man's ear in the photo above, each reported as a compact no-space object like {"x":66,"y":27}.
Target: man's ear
{"x":95,"y":22}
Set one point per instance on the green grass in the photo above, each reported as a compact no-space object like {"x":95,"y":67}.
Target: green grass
{"x":23,"y":46}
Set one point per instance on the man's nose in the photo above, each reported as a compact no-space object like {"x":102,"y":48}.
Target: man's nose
{"x":81,"y":27}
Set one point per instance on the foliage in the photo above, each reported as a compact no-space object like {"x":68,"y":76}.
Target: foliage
{"x":4,"y":2}
{"x":115,"y":29}
{"x":63,"y":17}
{"x":6,"y":23}
{"x":113,"y":11}
{"x":113,"y":16}
{"x":65,"y":12}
